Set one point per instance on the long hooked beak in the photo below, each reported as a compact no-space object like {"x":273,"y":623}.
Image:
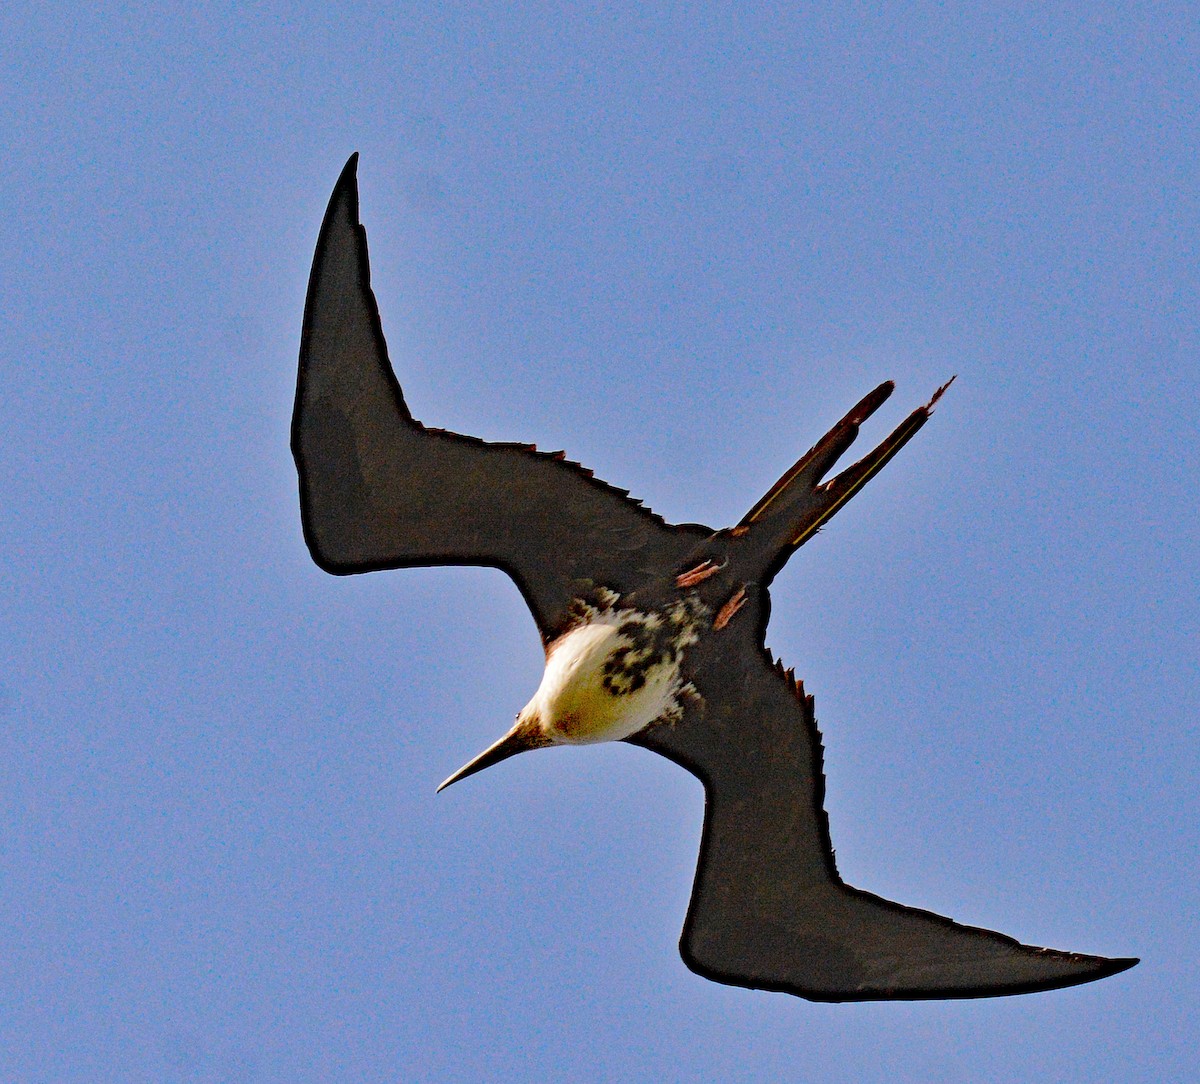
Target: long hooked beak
{"x":523,"y":736}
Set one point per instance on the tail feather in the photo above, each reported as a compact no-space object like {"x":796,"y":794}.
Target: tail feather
{"x":811,"y":467}
{"x":800,"y":502}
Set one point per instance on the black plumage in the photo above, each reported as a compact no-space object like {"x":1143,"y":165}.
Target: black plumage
{"x":380,"y":490}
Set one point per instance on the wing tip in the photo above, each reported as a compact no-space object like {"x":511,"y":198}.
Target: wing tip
{"x":349,"y":174}
{"x":1088,"y":969}
{"x":1113,"y":965}
{"x":345,"y":191}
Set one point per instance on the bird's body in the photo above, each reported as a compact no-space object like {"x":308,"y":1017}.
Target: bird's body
{"x":654,"y":634}
{"x":614,"y":674}
{"x":577,"y":702}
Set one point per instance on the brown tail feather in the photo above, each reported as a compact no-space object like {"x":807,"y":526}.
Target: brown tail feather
{"x":800,"y":502}
{"x":811,"y":467}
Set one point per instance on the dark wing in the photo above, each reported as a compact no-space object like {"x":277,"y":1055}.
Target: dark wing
{"x":768,"y":908}
{"x":380,"y":490}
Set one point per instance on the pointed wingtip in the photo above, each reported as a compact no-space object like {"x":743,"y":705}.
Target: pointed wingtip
{"x":1117,"y":964}
{"x":346,"y":187}
{"x":1079,"y":968}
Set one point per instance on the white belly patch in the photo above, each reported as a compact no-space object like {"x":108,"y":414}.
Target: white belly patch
{"x":614,"y":674}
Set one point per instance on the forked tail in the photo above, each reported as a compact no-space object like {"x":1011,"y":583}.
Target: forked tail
{"x":796,"y":506}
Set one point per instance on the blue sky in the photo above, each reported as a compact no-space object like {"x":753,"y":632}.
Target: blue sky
{"x":679,"y":244}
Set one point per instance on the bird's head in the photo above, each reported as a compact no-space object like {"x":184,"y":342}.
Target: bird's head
{"x":526,"y":733}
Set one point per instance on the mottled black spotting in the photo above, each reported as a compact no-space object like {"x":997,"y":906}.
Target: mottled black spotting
{"x":650,"y":645}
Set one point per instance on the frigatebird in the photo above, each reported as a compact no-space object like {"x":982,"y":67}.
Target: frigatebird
{"x":654,"y":634}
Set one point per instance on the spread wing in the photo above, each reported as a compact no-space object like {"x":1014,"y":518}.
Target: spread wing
{"x":768,"y":908}
{"x":380,"y":490}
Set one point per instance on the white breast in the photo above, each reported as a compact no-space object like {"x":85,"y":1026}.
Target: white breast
{"x":573,"y":702}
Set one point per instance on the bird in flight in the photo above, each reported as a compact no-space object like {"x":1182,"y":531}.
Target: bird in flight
{"x":653,"y":634}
